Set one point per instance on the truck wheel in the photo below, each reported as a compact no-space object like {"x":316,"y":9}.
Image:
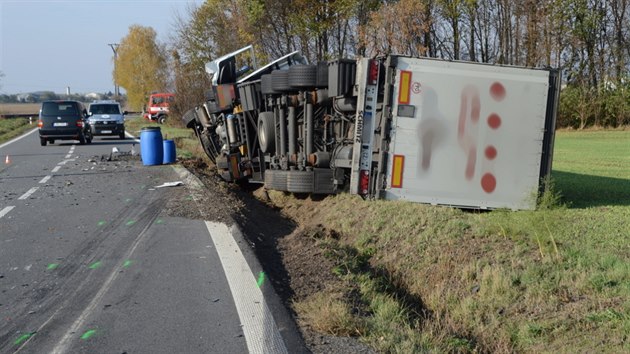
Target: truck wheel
{"x":265,"y":85}
{"x":280,"y":81}
{"x":43,"y":141}
{"x":303,"y":76}
{"x":300,"y":181}
{"x":266,"y":132}
{"x":162,"y":119}
{"x":82,"y":139}
{"x":276,"y":180}
{"x":121,"y":135}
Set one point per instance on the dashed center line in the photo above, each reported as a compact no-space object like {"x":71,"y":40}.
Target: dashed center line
{"x":68,"y":156}
{"x":45,"y":179}
{"x":28,"y":193}
{"x":5,"y":211}
{"x":56,"y":169}
{"x":66,"y":161}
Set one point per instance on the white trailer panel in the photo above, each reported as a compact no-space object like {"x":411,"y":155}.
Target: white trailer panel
{"x":467,"y":134}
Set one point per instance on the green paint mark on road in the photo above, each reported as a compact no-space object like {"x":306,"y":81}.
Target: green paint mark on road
{"x":95,"y":265}
{"x":261,"y":278}
{"x":128,"y":200}
{"x":101,"y":223}
{"x":88,"y":334}
{"x":159,"y":221}
{"x":127,"y":263}
{"x":23,"y":338}
{"x":131,"y":222}
{"x":52,"y":266}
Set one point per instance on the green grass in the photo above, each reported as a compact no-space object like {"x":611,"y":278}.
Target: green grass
{"x":11,"y":128}
{"x":445,"y":280}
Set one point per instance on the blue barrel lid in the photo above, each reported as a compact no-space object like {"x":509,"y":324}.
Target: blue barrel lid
{"x":150,"y":128}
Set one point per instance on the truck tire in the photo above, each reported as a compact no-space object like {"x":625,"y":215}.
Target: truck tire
{"x":43,"y":141}
{"x":276,"y":180}
{"x":189,"y":118}
{"x":266,"y":132}
{"x":265,"y":85}
{"x":280,"y":81}
{"x":303,"y":76}
{"x":162,"y":118}
{"x":300,"y":181}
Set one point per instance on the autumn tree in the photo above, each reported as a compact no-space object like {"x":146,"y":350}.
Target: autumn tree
{"x":141,"y":66}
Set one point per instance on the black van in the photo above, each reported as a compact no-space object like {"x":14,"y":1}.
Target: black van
{"x":63,"y":120}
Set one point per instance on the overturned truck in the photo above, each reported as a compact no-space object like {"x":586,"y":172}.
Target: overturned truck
{"x":433,"y":131}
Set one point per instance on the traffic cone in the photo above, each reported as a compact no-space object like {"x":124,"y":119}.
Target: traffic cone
{"x":7,"y":160}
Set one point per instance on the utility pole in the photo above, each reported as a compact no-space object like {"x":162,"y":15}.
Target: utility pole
{"x":115,"y":49}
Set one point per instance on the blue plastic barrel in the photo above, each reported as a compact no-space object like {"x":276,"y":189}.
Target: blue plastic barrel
{"x":169,"y":152}
{"x":151,"y":147}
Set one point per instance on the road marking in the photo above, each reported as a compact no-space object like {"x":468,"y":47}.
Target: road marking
{"x":5,"y":211}
{"x":45,"y":179}
{"x":66,"y":161}
{"x":259,"y":327}
{"x":28,"y":193}
{"x":68,"y":156}
{"x":56,"y":169}
{"x":18,"y":138}
{"x":63,"y":345}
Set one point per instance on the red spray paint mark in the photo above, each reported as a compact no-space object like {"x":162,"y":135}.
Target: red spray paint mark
{"x":494,"y":121}
{"x":497,"y":91}
{"x":488,"y":182}
{"x":491,"y":152}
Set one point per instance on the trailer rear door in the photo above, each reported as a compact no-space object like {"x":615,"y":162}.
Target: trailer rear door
{"x":470,"y":135}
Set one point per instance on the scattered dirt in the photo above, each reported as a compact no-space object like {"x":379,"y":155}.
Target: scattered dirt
{"x":287,"y":249}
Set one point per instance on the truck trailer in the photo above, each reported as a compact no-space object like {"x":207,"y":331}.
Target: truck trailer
{"x":426,"y":130}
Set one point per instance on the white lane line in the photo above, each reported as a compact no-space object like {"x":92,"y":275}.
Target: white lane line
{"x":66,"y":161}
{"x":5,"y":211}
{"x":28,"y":193}
{"x":64,"y":344}
{"x":18,"y":138}
{"x":259,"y":327}
{"x":45,"y":179}
{"x":68,"y":156}
{"x":56,"y":169}
{"x":132,"y":136}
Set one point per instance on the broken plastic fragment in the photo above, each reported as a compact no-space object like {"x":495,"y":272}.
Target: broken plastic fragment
{"x":171,"y":184}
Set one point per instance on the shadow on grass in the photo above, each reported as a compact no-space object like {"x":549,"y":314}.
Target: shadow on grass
{"x":582,"y":191}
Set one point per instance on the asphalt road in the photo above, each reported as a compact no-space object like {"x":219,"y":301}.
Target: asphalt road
{"x":91,"y":262}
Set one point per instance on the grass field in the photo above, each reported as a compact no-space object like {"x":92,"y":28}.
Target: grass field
{"x":20,"y":108}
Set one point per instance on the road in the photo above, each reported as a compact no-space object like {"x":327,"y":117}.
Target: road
{"x":91,"y":261}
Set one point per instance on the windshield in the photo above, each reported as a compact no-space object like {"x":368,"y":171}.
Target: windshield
{"x":104,"y":109}
{"x":59,"y":109}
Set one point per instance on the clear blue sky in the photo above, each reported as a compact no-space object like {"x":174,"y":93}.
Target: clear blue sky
{"x":48,"y":45}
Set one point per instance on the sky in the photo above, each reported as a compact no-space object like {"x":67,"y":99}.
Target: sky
{"x":49,"y":45}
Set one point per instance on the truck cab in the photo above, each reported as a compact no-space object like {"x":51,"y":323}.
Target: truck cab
{"x":157,"y":108}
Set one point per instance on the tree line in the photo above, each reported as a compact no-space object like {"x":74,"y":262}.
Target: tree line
{"x":588,"y":40}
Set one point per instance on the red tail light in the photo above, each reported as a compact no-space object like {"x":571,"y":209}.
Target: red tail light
{"x":364,"y":182}
{"x":373,"y":72}
{"x":80,"y":123}
{"x":40,"y":124}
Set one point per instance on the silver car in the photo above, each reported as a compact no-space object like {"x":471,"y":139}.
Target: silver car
{"x":106,"y":118}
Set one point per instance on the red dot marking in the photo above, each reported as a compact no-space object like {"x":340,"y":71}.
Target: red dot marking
{"x":494,"y":121}
{"x":488,"y":182}
{"x":491,"y":152}
{"x":497,"y":91}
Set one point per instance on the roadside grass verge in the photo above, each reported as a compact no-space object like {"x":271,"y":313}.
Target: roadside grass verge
{"x":439,"y":279}
{"x":14,"y":127}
